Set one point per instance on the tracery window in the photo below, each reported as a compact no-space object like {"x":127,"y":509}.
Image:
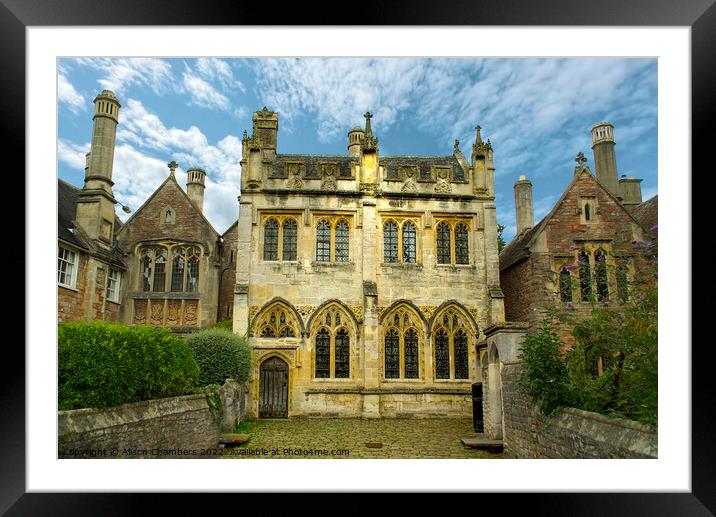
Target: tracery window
{"x":600,"y":273}
{"x":622,"y":283}
{"x":450,"y":338}
{"x":323,"y":241}
{"x":277,"y":321}
{"x":342,"y":241}
{"x":333,"y":239}
{"x":179,"y":262}
{"x":281,"y":230}
{"x":402,"y":344}
{"x":400,"y":241}
{"x":332,"y":343}
{"x":452,"y":242}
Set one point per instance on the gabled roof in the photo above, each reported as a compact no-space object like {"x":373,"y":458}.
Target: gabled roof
{"x":647,"y":213}
{"x":171,"y":178}
{"x":519,"y":247}
{"x":230,"y":228}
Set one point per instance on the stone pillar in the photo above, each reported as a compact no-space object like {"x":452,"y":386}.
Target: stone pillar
{"x":524,"y":213}
{"x":244,"y":256}
{"x":371,"y":346}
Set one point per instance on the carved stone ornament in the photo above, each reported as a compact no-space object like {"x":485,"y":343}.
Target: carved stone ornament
{"x":409,"y":185}
{"x":305,"y":310}
{"x":443,"y":186}
{"x":381,"y":310}
{"x":357,"y":311}
{"x":428,"y":310}
{"x":329,"y":171}
{"x":253,"y":310}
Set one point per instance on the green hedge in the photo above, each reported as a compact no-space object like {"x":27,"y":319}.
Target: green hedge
{"x":104,"y":364}
{"x":221,"y":355}
{"x":224,"y":325}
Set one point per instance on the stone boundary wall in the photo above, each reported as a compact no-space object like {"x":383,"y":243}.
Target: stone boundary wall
{"x":569,"y":433}
{"x":176,"y":427}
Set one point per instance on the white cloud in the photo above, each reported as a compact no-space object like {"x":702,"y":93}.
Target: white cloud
{"x":214,"y":69}
{"x":72,"y":154}
{"x":66,"y":93}
{"x":118,"y":74}
{"x":204,"y":94}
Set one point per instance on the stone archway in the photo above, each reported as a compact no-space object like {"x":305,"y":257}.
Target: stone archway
{"x":273,"y":388}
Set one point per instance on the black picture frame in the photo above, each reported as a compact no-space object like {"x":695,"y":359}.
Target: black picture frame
{"x":16,"y":15}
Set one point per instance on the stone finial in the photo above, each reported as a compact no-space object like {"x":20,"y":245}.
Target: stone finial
{"x":368,"y":131}
{"x":172,"y":167}
{"x":581,"y":159}
{"x":456,"y":147}
{"x":246,"y":136}
{"x":478,"y":138}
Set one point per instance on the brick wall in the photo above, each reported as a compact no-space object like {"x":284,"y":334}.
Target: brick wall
{"x":87,"y":300}
{"x":228,"y":273}
{"x":515,"y":284}
{"x":177,"y":427}
{"x":70,"y":302}
{"x":570,"y":433}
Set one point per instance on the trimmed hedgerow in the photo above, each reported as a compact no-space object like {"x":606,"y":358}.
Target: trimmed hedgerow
{"x":104,"y":364}
{"x":221,"y":355}
{"x":223,"y":325}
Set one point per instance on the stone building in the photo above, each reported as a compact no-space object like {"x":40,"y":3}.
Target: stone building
{"x":89,"y":263}
{"x":583,"y":251}
{"x":364,"y":282}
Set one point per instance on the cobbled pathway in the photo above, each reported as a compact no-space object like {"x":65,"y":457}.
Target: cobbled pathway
{"x":305,"y":438}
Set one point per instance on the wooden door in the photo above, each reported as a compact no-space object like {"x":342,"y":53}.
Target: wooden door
{"x":273,"y":389}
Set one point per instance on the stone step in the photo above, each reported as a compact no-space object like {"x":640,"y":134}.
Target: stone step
{"x":234,"y":438}
{"x":479,"y":441}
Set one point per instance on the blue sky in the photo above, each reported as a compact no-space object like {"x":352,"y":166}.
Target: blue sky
{"x":537,"y":112}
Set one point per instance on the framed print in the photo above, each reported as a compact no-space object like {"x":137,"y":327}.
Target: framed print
{"x":78,"y":65}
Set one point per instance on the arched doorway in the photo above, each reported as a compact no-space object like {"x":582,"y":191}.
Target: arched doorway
{"x":273,"y":389}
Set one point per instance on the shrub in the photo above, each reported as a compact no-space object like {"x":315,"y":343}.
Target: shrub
{"x":224,"y":325}
{"x":104,"y":364}
{"x":221,"y":355}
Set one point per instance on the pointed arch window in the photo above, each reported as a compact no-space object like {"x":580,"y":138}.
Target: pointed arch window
{"x":332,"y":343}
{"x":585,"y":276}
{"x":409,"y":242}
{"x":402,"y":344}
{"x":587,"y":212}
{"x":173,"y":268}
{"x":600,"y":273}
{"x":323,"y":241}
{"x":450,"y":338}
{"x":565,"y":285}
{"x":277,"y":321}
{"x":390,"y":242}
{"x":342,"y":241}
{"x":178,"y":266}
{"x":622,"y":283}
{"x":280,"y":238}
{"x":160,"y":273}
{"x":462,"y":252}
{"x":289,"y":240}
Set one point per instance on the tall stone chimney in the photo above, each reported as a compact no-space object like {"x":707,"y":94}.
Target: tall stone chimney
{"x":524,"y":214}
{"x":355,"y":136}
{"x":195,"y":178}
{"x":630,"y":190}
{"x":95,"y":204}
{"x":605,"y":159}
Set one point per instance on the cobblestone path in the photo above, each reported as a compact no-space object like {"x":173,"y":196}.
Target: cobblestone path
{"x":303,"y":438}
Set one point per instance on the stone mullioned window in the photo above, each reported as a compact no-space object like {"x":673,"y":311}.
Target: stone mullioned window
{"x":452,"y":241}
{"x":333,"y":239}
{"x":280,"y":239}
{"x":169,"y":268}
{"x":400,"y":240}
{"x":332,"y":331}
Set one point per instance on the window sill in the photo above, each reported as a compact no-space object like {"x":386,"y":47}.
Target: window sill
{"x":114,"y":302}
{"x":416,"y":265}
{"x":332,"y":263}
{"x":409,"y":381}
{"x":68,"y":288}
{"x":165,"y":296}
{"x":455,"y":266}
{"x":339,"y":380}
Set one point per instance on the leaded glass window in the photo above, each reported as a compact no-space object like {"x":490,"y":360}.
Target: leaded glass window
{"x":622,"y":283}
{"x":66,"y":267}
{"x":160,"y":263}
{"x":390,"y":242}
{"x":461,"y":356}
{"x":289,"y":240}
{"x":565,"y":285}
{"x":585,"y":276}
{"x":409,"y":242}
{"x":443,"y":242}
{"x":323,"y":241}
{"x":193,"y":271}
{"x":323,"y":354}
{"x":342,"y":354}
{"x":146,"y":262}
{"x":600,"y":272}
{"x":279,"y":319}
{"x":411,"y":355}
{"x":442,"y":355}
{"x":392,"y":355}
{"x":462,"y":252}
{"x":342,"y":241}
{"x":271,"y":240}
{"x":268,"y":332}
{"x":178,"y":263}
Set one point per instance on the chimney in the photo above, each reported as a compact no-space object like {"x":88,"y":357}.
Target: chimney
{"x":524,"y":213}
{"x":630,"y":191}
{"x":195,"y":178}
{"x":605,"y":159}
{"x":355,"y":136}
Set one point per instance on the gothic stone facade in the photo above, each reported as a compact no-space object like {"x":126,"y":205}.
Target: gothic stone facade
{"x":364,"y":282}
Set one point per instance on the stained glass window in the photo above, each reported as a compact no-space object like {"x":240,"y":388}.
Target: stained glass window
{"x":600,"y":272}
{"x":409,"y":242}
{"x":342,"y":241}
{"x":443,"y":242}
{"x":412,"y":368}
{"x":342,"y":354}
{"x":323,"y":354}
{"x":442,"y":355}
{"x":392,"y":355}
{"x":289,"y":240}
{"x":462,"y":252}
{"x":461,"y":356}
{"x":565,"y":285}
{"x":323,"y":241}
{"x":271,"y":240}
{"x":390,"y":242}
{"x":585,"y":276}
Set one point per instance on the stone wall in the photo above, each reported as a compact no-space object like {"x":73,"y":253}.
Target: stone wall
{"x":177,"y":427}
{"x":569,"y":433}
{"x":87,"y":301}
{"x":70,"y":302}
{"x":227,"y":273}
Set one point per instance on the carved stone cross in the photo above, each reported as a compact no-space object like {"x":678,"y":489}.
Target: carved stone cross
{"x":580,"y":159}
{"x":172,"y":167}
